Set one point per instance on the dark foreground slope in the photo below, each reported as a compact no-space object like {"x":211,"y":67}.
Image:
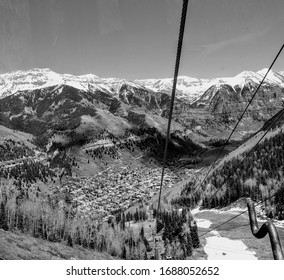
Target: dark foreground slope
{"x":17,"y":246}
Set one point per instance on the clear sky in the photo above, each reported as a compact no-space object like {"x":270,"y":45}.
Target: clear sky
{"x":136,"y":39}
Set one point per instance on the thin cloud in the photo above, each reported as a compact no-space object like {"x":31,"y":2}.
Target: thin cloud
{"x":209,"y":49}
{"x":212,"y":48}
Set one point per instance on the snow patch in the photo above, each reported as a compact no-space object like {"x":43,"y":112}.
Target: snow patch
{"x":222,"y":248}
{"x":203,"y":223}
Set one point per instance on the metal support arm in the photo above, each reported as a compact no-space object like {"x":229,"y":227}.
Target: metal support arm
{"x":261,"y":232}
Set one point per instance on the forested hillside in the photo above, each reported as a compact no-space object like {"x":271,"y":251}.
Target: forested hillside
{"x":258,"y":174}
{"x":11,"y":149}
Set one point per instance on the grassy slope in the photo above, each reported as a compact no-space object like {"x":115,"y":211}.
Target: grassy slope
{"x":103,"y":120}
{"x":16,"y":135}
{"x":17,"y":246}
{"x":117,"y":125}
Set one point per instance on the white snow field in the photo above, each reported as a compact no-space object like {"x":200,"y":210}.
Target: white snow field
{"x":222,"y":248}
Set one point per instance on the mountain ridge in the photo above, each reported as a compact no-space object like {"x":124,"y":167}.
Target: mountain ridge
{"x":188,"y":88}
{"x":40,"y":98}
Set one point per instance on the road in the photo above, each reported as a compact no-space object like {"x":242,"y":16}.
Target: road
{"x":11,"y":163}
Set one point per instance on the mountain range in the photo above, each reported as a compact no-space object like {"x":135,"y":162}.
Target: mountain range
{"x":188,"y":88}
{"x":39,"y":100}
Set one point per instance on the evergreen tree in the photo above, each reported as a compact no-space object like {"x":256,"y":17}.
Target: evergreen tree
{"x":123,"y":253}
{"x":145,"y":256}
{"x":69,"y":241}
{"x":122,"y":222}
{"x":3,"y":218}
{"x":142,"y":232}
{"x":194,"y":236}
{"x":188,"y":245}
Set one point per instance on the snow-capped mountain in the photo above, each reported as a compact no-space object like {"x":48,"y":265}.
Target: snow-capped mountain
{"x":188,"y":88}
{"x":40,"y":99}
{"x":36,"y":78}
{"x":272,"y":77}
{"x":192,"y":89}
{"x":13,"y":82}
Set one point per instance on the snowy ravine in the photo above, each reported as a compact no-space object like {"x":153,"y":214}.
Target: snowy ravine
{"x":222,"y":248}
